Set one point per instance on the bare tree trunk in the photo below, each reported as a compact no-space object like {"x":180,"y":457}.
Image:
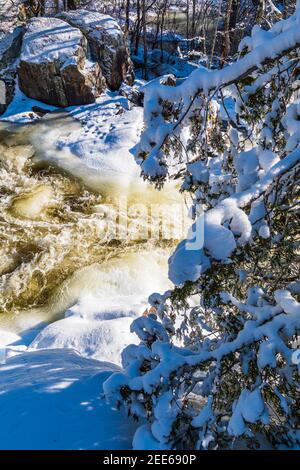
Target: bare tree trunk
{"x":42,"y":10}
{"x":288,"y":7}
{"x":137,"y":29}
{"x":144,"y":27}
{"x":232,"y":24}
{"x":127,"y":10}
{"x":215,"y":35}
{"x":260,"y":8}
{"x":202,"y":25}
{"x":157,"y":28}
{"x":163,"y":15}
{"x":72,"y":4}
{"x":36,"y":8}
{"x":193,"y":26}
{"x":187,"y":22}
{"x":226,"y":41}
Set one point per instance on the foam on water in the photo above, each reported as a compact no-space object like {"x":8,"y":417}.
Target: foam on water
{"x":52,"y":250}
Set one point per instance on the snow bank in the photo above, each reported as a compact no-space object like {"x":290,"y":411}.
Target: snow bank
{"x":102,"y":340}
{"x":96,"y":146}
{"x":20,"y":109}
{"x":7,"y":338}
{"x":51,"y":400}
{"x":108,"y":297}
{"x":92,"y":142}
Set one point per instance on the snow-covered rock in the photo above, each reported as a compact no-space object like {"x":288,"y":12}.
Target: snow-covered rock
{"x":9,"y":15}
{"x":102,"y":340}
{"x":107,"y":44}
{"x":112,"y":294}
{"x":10,"y":46}
{"x":53,"y":65}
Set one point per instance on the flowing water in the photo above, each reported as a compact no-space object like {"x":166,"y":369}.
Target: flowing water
{"x":52,"y":239}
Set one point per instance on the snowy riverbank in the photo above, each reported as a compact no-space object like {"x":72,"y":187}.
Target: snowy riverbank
{"x":51,"y":399}
{"x":53,"y":371}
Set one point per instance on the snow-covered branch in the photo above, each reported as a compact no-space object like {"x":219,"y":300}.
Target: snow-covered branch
{"x":217,"y":359}
{"x":266,"y":46}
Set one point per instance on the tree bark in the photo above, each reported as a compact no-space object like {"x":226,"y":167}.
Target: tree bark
{"x":72,"y":4}
{"x":162,"y":29}
{"x":193,"y":25}
{"x":187,"y":22}
{"x":226,"y":41}
{"x":127,"y":10}
{"x":144,"y":27}
{"x":137,"y":29}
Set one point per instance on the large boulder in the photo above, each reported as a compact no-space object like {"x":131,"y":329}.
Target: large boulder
{"x":10,"y":46}
{"x":54,"y":67}
{"x":108,"y":45}
{"x":8,"y":16}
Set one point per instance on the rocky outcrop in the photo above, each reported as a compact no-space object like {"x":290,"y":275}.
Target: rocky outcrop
{"x":54,"y":67}
{"x":133,"y":94}
{"x":10,"y":47}
{"x":66,"y":60}
{"x":107,"y":43}
{"x":8,"y":16}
